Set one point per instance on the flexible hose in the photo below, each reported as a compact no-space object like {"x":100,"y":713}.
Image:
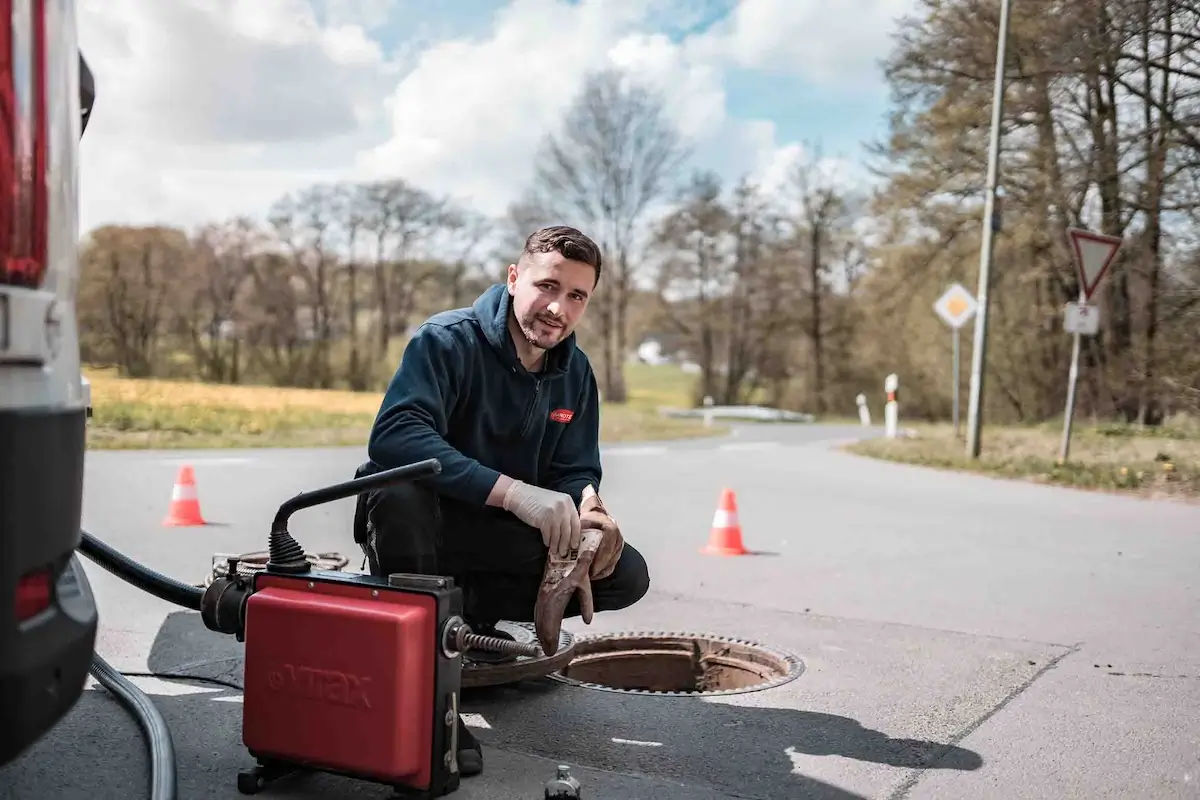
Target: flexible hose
{"x":144,"y":578}
{"x":163,"y":780}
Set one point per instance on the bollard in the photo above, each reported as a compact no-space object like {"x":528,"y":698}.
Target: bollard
{"x":864,"y":412}
{"x":891,"y":409}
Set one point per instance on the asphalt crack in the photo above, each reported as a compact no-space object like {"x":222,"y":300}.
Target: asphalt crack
{"x":915,"y":775}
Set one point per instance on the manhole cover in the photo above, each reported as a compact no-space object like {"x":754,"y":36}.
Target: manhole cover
{"x":677,"y":664}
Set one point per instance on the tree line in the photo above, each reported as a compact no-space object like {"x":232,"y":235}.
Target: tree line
{"x":800,"y":298}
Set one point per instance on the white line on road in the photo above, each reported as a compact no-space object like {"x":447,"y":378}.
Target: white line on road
{"x":635,"y":741}
{"x":475,"y":720}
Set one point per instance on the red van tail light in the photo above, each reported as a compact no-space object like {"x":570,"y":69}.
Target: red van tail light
{"x":34,"y":593}
{"x":23,"y":137}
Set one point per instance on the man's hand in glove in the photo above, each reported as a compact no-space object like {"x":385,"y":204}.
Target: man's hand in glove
{"x":562,"y":578}
{"x":552,"y":513}
{"x":594,"y":516}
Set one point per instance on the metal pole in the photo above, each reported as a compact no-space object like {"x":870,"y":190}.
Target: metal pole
{"x":957,"y":382}
{"x":1072,"y":379}
{"x":979,"y":351}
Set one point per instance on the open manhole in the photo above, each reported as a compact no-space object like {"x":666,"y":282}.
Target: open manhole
{"x":677,"y":664}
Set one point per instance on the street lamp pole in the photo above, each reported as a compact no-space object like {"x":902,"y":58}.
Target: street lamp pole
{"x":979,"y":350}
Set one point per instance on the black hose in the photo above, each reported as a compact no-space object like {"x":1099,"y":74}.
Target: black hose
{"x":163,"y":779}
{"x":163,"y":782}
{"x":144,"y":578}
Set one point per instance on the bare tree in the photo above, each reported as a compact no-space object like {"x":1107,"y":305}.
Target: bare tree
{"x":460,"y":245}
{"x":217,"y":282}
{"x":352,"y":208}
{"x":129,"y":290}
{"x":695,"y":276}
{"x":399,"y":216}
{"x":612,"y":160}
{"x":305,"y":223}
{"x":821,"y":224}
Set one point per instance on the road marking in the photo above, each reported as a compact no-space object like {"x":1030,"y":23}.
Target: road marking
{"x":161,"y":687}
{"x":475,"y":721}
{"x":207,"y":461}
{"x":636,"y":742}
{"x":749,"y":446}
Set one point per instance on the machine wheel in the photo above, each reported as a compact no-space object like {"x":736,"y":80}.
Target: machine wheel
{"x":250,"y":782}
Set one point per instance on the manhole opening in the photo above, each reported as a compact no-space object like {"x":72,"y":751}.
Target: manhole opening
{"x":677,"y":665}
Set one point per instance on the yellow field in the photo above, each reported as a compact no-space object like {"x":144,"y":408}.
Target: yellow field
{"x":130,"y":413}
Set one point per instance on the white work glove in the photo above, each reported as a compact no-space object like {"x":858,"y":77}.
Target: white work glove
{"x":553,"y":513}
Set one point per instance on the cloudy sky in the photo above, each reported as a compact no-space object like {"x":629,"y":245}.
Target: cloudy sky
{"x":210,"y":108}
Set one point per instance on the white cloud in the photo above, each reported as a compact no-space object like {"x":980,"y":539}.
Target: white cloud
{"x":469,"y":118}
{"x":825,"y":42}
{"x":198,"y":101}
{"x":208,"y":108}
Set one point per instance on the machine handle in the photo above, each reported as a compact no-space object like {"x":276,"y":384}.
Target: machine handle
{"x":339,"y":491}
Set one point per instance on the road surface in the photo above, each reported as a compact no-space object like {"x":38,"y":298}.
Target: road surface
{"x":962,"y":636}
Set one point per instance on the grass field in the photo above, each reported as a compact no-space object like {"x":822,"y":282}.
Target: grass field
{"x":137,"y":414}
{"x":1151,"y":462}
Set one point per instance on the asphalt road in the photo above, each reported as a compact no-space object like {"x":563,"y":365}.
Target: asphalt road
{"x":962,"y":636}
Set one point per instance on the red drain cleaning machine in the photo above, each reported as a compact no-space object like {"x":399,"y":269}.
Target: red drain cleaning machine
{"x":345,"y":673}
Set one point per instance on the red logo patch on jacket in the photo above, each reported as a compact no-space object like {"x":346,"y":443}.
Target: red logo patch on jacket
{"x":562,"y":415}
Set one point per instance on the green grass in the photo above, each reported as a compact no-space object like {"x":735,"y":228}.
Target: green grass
{"x":161,"y":414}
{"x":1150,"y":462}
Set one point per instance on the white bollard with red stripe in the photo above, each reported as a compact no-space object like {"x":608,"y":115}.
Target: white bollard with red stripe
{"x":891,"y":409}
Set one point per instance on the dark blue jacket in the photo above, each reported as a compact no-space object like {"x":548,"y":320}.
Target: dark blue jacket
{"x":462,"y":396}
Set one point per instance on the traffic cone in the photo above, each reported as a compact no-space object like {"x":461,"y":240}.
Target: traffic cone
{"x":726,"y":536}
{"x":185,"y":505}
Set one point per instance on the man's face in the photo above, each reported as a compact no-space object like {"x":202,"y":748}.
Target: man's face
{"x":549,"y":295}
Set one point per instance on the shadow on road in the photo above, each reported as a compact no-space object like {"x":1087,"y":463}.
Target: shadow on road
{"x":752,"y":750}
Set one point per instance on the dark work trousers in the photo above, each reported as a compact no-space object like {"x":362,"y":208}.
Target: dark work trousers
{"x":496,"y":558}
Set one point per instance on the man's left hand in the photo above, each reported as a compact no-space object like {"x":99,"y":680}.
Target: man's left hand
{"x":593,"y":516}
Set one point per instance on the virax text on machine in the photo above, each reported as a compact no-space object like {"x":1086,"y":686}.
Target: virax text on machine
{"x":348,"y":674}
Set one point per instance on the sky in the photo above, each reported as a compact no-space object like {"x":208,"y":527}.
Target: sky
{"x":207,"y":109}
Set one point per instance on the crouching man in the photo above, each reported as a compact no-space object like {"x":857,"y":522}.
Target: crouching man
{"x":501,"y":394}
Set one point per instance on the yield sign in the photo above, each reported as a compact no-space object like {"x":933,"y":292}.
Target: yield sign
{"x":1093,"y":253}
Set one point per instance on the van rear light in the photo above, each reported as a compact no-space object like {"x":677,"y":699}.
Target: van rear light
{"x":23,"y":139}
{"x":34,"y":592}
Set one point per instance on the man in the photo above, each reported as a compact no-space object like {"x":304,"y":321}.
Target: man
{"x":500,"y":393}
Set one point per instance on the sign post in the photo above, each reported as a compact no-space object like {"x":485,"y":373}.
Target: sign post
{"x":956,"y":306}
{"x":1093,"y":254}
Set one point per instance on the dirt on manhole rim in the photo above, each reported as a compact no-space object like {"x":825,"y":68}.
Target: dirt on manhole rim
{"x":677,"y":665}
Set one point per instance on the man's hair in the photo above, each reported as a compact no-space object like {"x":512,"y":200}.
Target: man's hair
{"x":568,"y":242}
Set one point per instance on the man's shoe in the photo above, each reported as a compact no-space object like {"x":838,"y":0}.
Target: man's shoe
{"x":470,"y":752}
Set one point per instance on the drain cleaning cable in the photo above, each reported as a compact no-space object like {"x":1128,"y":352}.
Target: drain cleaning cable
{"x":163,"y":775}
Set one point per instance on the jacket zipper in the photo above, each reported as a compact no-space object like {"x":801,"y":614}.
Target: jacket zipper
{"x":533,"y":405}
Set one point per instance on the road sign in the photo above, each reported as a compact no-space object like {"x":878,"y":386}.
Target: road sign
{"x":1093,"y":253}
{"x":956,"y":306}
{"x":1081,"y":318}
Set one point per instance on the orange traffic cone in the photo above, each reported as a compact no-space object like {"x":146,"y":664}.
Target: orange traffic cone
{"x":185,"y":505}
{"x":726,"y":536}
